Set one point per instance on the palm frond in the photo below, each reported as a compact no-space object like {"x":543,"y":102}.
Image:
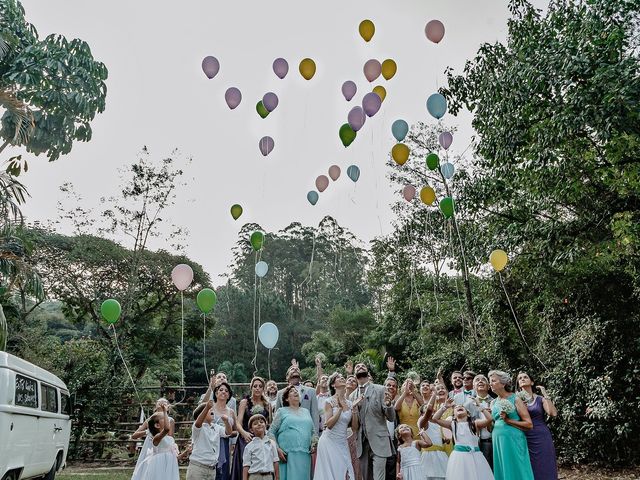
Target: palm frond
{"x":21,"y":113}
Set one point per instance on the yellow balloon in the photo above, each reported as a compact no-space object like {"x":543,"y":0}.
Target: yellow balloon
{"x":367,"y":29}
{"x":498,"y":259}
{"x":389,"y":69}
{"x":380,"y":91}
{"x":400,"y":153}
{"x":307,"y":68}
{"x":427,"y":195}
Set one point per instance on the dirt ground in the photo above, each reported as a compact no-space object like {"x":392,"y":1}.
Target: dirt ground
{"x":590,"y":473}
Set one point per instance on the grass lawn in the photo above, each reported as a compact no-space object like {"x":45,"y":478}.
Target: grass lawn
{"x":101,"y":474}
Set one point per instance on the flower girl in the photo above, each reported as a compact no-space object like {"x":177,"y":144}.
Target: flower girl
{"x":161,"y":462}
{"x":408,"y":465}
{"x":143,"y":431}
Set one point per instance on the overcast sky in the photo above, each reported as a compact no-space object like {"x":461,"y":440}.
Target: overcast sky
{"x":159,"y":97}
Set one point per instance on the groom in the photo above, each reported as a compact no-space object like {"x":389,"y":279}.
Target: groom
{"x":373,"y":443}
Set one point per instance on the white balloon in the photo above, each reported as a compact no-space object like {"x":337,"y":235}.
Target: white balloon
{"x":262,"y":268}
{"x":447,"y":170}
{"x":182,"y":276}
{"x":268,"y":335}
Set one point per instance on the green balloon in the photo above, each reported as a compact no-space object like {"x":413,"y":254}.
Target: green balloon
{"x":347,"y":134}
{"x":110,"y":310}
{"x":206,"y":300}
{"x":262,"y":111}
{"x":447,"y":206}
{"x":257,"y":240}
{"x":236,"y":211}
{"x":432,"y":161}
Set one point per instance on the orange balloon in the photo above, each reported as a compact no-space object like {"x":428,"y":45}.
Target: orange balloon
{"x":400,"y":153}
{"x":427,"y":195}
{"x":389,"y":69}
{"x":367,"y":29}
{"x":307,"y":68}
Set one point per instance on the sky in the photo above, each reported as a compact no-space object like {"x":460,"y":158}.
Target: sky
{"x":158,"y":96}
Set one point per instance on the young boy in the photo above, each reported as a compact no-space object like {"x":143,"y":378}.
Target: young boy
{"x":205,"y":437}
{"x":260,"y":459}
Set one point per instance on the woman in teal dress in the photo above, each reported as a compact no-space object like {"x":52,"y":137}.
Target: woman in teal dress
{"x":511,"y":419}
{"x":292,"y":429}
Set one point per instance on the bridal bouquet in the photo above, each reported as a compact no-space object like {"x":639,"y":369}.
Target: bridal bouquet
{"x":505,"y":406}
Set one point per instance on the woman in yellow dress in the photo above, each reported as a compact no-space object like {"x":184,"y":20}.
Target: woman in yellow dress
{"x":409,"y":402}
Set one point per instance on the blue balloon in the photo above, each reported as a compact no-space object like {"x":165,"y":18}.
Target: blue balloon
{"x":268,"y":335}
{"x":437,"y":105}
{"x":447,"y":170}
{"x":353,"y":172}
{"x":313,"y":197}
{"x":261,"y":268}
{"x":400,"y":128}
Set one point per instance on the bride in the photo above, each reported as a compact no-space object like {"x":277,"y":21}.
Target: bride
{"x":334,"y":461}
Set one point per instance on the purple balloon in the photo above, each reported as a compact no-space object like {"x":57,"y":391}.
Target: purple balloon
{"x":280,"y":67}
{"x":270,"y":101}
{"x":349,"y":90}
{"x":371,"y":103}
{"x":372,"y":69}
{"x":356,"y":118}
{"x":233,"y":97}
{"x":210,"y":66}
{"x":266,"y":145}
{"x":445,"y":140}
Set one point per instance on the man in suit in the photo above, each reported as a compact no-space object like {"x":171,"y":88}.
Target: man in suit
{"x":308,"y":398}
{"x":373,"y":443}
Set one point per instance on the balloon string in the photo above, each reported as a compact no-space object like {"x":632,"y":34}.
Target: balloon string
{"x":204,"y":345}
{"x":453,"y":256}
{"x":255,"y":344}
{"x":269,"y":363}
{"x":115,"y":337}
{"x":427,"y":223}
{"x":182,"y":337}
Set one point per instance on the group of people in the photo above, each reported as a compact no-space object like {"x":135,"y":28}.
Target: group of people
{"x":349,"y":428}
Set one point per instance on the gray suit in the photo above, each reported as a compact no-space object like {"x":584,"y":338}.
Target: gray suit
{"x":373,"y":443}
{"x":308,"y":400}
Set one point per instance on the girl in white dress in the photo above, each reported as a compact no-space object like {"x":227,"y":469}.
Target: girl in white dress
{"x":143,"y":431}
{"x":334,"y":460}
{"x":466,"y":461}
{"x":161,"y":463}
{"x":408,"y":465}
{"x":434,"y":459}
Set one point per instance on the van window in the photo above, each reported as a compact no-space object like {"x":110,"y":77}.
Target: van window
{"x":26,"y":392}
{"x":65,"y":403}
{"x":49,"y":399}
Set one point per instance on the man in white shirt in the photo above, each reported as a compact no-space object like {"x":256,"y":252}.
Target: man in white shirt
{"x":205,"y":438}
{"x":260,"y":458}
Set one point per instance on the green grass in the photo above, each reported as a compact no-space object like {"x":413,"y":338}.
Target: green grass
{"x":100,"y":474}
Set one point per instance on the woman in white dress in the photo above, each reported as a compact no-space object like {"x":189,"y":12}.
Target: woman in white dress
{"x":334,"y":461}
{"x":466,"y":461}
{"x":408,"y":465}
{"x":161,"y":463}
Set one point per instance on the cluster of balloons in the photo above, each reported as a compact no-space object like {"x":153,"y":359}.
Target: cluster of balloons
{"x":322,"y":182}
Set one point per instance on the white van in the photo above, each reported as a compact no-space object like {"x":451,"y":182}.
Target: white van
{"x":34,"y":420}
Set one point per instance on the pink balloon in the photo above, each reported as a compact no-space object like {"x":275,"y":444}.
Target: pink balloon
{"x":266,"y":145}
{"x":182,"y":276}
{"x":371,"y":103}
{"x":372,"y":69}
{"x":233,"y":97}
{"x":349,"y":89}
{"x":434,"y":31}
{"x":356,"y":118}
{"x":445,"y":140}
{"x":322,"y":182}
{"x":409,"y":192}
{"x":334,"y":172}
{"x":280,"y":67}
{"x":210,"y":66}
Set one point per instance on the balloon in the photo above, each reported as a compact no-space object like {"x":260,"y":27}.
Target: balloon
{"x":349,"y":90}
{"x":372,"y":69}
{"x":437,"y":105}
{"x":399,"y":129}
{"x":280,"y":67}
{"x":353,"y":172}
{"x":446,"y":207}
{"x":210,"y":66}
{"x":313,"y":196}
{"x":110,"y":310}
{"x":266,"y":145}
{"x":445,"y":139}
{"x":432,"y":161}
{"x":334,"y":172}
{"x":427,"y":195}
{"x":380,"y":91}
{"x":268,"y":335}
{"x":257,"y":240}
{"x":263,"y":112}
{"x":434,"y":30}
{"x":270,"y":101}
{"x":206,"y":300}
{"x":400,"y":153}
{"x":447,"y":170}
{"x":182,"y":276}
{"x":322,"y":182}
{"x":389,"y":69}
{"x":356,"y":118}
{"x":261,"y":268}
{"x":409,"y":192}
{"x":498,"y":259}
{"x":367,"y":29}
{"x":347,"y":134}
{"x":371,"y":103}
{"x":307,"y":68}
{"x":236,"y":211}
{"x":233,"y":97}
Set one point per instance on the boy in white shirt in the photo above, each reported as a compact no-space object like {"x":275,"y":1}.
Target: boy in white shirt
{"x":205,"y":437}
{"x":260,"y":459}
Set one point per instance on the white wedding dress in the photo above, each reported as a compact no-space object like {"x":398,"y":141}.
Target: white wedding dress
{"x":334,"y":460}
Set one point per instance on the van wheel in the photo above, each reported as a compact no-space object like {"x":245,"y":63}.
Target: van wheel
{"x":52,"y":473}
{"x":10,"y":476}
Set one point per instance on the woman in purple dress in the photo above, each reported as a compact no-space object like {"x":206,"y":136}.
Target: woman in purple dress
{"x":541,"y":449}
